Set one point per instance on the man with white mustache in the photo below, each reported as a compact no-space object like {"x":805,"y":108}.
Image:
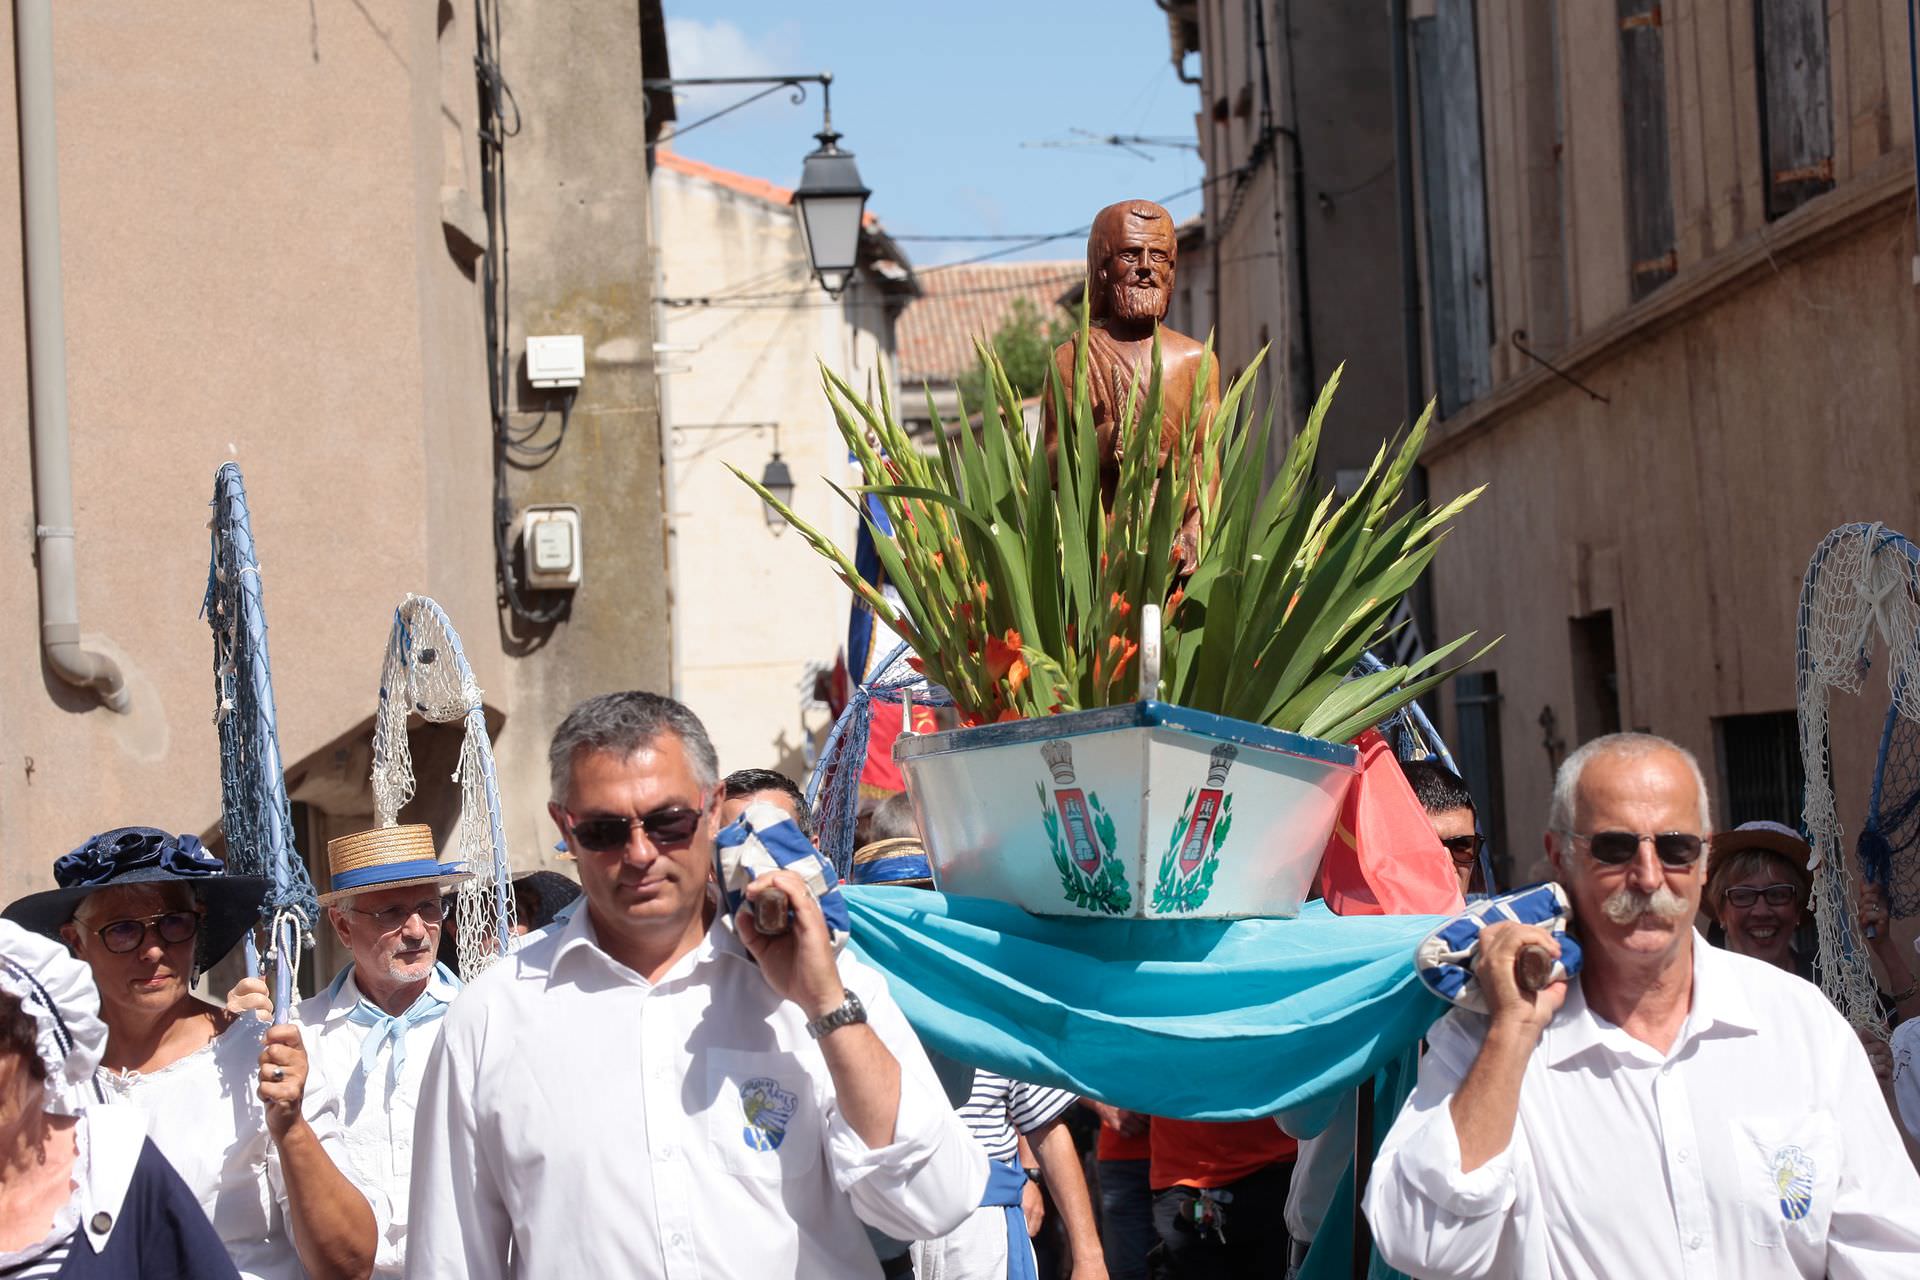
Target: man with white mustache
{"x":1677,"y":1111}
{"x":369,"y":1034}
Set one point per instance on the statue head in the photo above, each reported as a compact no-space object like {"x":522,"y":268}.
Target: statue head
{"x":1130,"y":254}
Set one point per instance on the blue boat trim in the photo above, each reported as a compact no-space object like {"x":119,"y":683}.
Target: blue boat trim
{"x":1132,"y":715}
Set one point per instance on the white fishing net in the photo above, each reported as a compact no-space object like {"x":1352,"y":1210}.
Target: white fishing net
{"x":427,"y":675}
{"x":1861,"y":584}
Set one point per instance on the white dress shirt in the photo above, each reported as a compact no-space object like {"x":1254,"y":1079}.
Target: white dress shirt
{"x":1758,"y":1146}
{"x":204,"y":1113}
{"x":598,"y":1125}
{"x":376,"y":1109}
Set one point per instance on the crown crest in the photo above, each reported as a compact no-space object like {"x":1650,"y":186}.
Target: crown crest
{"x":1059,"y":758}
{"x":1223,"y":757}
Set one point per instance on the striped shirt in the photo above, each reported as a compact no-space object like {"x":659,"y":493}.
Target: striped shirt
{"x":997,"y":1108}
{"x":41,"y":1267}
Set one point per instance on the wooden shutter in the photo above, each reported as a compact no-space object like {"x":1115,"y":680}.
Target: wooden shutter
{"x":1453,"y":178}
{"x":1796,"y":101}
{"x":1643,"y":119}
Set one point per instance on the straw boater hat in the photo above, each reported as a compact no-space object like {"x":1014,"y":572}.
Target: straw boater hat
{"x":901,"y":861}
{"x":1773,"y":837}
{"x":229,"y":904}
{"x":387,"y":858}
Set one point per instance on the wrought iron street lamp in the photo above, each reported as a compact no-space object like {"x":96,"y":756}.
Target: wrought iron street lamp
{"x":831,"y":199}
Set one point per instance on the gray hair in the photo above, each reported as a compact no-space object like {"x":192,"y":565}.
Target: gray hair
{"x":1618,"y":746}
{"x":621,"y":724}
{"x":893,"y":819}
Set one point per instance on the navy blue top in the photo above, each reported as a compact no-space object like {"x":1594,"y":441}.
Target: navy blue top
{"x":161,"y":1234}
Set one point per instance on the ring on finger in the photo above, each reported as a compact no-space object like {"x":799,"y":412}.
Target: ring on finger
{"x":279,"y":1073}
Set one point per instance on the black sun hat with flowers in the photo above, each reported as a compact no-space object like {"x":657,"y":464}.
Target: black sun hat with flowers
{"x":147,"y":855}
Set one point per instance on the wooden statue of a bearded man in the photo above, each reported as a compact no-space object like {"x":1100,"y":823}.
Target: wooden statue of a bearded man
{"x":1130,"y":264}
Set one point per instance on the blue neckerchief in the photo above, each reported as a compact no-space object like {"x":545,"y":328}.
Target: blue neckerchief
{"x":1005,"y":1181}
{"x":389,"y":1026}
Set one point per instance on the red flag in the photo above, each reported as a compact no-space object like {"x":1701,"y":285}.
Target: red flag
{"x":1383,"y":858}
{"x":881,"y":776}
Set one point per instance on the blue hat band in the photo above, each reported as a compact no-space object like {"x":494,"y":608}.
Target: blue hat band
{"x":382,"y":873}
{"x":888,"y":870}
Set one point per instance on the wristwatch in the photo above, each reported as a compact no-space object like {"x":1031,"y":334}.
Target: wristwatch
{"x":849,"y":1012}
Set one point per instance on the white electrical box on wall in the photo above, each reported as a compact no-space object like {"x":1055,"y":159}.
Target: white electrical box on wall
{"x":556,"y":360}
{"x":550,"y":543}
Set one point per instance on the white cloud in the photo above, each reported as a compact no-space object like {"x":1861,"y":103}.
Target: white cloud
{"x":719,"y":48}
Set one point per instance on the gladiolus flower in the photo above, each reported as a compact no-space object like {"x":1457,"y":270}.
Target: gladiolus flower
{"x":1003,"y":656}
{"x":1008,"y":714}
{"x":917,"y":665}
{"x":1120,"y":605}
{"x":1174,"y":600}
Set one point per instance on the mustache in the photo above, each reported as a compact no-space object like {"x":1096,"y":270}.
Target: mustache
{"x":1624,"y":905}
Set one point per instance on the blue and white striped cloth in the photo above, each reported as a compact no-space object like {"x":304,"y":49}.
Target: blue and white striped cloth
{"x":764,"y":838}
{"x":1444,"y":957}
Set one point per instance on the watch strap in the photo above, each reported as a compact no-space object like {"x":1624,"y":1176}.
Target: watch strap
{"x":850,"y":1012}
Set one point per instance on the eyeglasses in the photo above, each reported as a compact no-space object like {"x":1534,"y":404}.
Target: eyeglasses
{"x":1675,"y":848}
{"x":431,"y":911}
{"x":124,"y":936}
{"x":1465,"y":849}
{"x":1777,"y":895}
{"x":667,"y":829}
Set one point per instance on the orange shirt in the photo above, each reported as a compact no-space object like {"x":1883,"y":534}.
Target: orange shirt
{"x":1114,"y":1145}
{"x":1196,"y":1153}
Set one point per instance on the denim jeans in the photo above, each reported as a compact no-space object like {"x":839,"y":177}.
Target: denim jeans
{"x":1126,"y":1218}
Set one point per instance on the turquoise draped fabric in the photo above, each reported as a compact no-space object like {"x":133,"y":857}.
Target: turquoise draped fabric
{"x":1193,"y":1019}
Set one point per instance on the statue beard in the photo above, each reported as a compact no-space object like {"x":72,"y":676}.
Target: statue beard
{"x":1139,"y":302}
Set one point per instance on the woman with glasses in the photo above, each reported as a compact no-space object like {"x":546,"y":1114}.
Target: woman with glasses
{"x":1758,"y":887}
{"x":224,"y":1096}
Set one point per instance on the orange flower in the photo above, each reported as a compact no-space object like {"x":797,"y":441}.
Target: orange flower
{"x":1121,"y":606}
{"x":1174,"y":600}
{"x":939,"y":560}
{"x":980,"y":589}
{"x":917,"y":665}
{"x":1008,"y":714}
{"x":1125,"y":657}
{"x":1004,"y":661}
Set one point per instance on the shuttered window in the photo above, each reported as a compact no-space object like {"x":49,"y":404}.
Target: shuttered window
{"x":1453,"y":179}
{"x":1476,"y":706}
{"x":1761,"y":773}
{"x":1796,"y":101}
{"x":1643,"y":119}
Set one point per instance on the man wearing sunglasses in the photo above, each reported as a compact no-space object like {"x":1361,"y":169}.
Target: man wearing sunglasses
{"x":638,"y":1093}
{"x":1676,"y":1110}
{"x":1444,"y":796}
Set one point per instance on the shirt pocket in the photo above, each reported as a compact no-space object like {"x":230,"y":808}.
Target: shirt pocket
{"x":762,"y":1121}
{"x":1789,"y":1170}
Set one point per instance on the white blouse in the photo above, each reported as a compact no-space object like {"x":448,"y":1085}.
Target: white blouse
{"x":204,"y":1113}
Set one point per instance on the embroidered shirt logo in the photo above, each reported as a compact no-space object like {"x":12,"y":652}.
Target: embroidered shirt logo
{"x":1793,"y":1174}
{"x":769,"y":1110}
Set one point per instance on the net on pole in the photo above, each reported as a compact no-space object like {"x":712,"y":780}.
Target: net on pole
{"x":1862,"y":585}
{"x":254,"y":812}
{"x":426,"y":674}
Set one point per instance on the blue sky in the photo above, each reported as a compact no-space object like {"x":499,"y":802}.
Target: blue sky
{"x":936,"y":100}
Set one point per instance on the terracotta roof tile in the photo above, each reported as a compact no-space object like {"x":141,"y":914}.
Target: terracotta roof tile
{"x":758,"y":188}
{"x":958,"y":304}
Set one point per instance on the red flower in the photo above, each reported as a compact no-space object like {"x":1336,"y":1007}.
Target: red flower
{"x":1120,"y":606}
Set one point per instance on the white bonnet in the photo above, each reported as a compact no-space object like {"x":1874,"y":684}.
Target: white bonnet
{"x":57,"y":992}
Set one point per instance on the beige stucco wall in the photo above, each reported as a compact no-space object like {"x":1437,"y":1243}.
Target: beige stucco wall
{"x":753,"y":609}
{"x":1690,"y":505}
{"x":255,"y":270}
{"x":1762,"y":397}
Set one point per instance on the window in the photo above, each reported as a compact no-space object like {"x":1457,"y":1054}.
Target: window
{"x":1476,"y":705}
{"x":1796,"y":101}
{"x":1596,"y":676}
{"x":1453,"y":178}
{"x":1643,"y":118}
{"x":1760,"y":770}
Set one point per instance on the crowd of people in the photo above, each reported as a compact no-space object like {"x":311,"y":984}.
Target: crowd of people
{"x":648,"y":1086}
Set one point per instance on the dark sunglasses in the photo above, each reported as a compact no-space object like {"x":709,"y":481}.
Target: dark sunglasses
{"x":432,"y":911}
{"x":124,"y":936}
{"x":1777,"y":895}
{"x":1465,"y":849}
{"x":1615,"y":848}
{"x":666,"y":829}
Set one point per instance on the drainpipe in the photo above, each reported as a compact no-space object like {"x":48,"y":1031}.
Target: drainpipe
{"x":47,"y":365}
